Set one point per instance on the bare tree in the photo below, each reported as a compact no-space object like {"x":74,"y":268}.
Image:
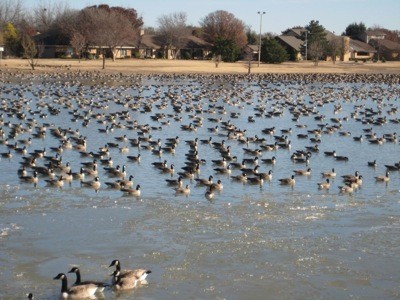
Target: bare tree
{"x":334,"y":48}
{"x":224,"y":25}
{"x":173,"y":31}
{"x":11,"y":11}
{"x":315,"y":51}
{"x":109,"y":28}
{"x":46,"y":12}
{"x":78,"y":41}
{"x":30,"y":50}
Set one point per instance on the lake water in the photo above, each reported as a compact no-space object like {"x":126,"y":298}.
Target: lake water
{"x":268,"y":241}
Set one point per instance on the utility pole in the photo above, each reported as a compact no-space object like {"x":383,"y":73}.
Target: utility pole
{"x":259,"y":42}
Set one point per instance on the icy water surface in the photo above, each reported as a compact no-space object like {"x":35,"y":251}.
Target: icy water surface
{"x":251,"y":241}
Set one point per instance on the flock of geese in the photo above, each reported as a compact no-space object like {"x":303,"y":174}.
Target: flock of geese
{"x":206,"y":111}
{"x":121,"y":280}
{"x":106,"y":112}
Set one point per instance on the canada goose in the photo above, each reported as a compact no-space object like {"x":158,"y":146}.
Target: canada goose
{"x":56,"y":182}
{"x":329,"y":174}
{"x":182,"y":190}
{"x":218,"y":186}
{"x":127,"y":183}
{"x":79,"y":175}
{"x":136,"y":274}
{"x":204,"y":181}
{"x":219,"y":162}
{"x":209,"y":194}
{"x":175,"y":182}
{"x":7,"y":154}
{"x":346,"y":188}
{"x":114,"y":185}
{"x":383,"y":178}
{"x":266,"y":176}
{"x":372,"y":163}
{"x":134,"y":158}
{"x":75,"y":292}
{"x":168,"y":170}
{"x":257,"y":179}
{"x":287,"y":181}
{"x":324,"y":185}
{"x":222,"y":170}
{"x":306,"y":172}
{"x":269,"y":161}
{"x":123,"y":283}
{"x":160,"y":165}
{"x":30,"y":179}
{"x":350,"y":177}
{"x":136,"y":192}
{"x":95,"y":184}
{"x":341,"y":158}
{"x":251,"y":171}
{"x":242,"y":177}
{"x":100,"y":285}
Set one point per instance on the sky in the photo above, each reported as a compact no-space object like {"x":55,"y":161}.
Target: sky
{"x":279,"y":15}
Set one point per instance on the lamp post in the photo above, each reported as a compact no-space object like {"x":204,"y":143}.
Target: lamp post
{"x":259,"y":42}
{"x":306,"y":43}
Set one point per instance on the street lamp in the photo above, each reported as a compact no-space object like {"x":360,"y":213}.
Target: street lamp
{"x":306,"y":43}
{"x":259,"y":42}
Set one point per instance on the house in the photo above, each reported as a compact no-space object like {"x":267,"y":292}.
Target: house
{"x":292,"y":45}
{"x":52,"y":45}
{"x":152,"y":46}
{"x":358,"y":50}
{"x":385,"y":48}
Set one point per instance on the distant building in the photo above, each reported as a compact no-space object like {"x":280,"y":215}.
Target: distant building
{"x":385,"y":48}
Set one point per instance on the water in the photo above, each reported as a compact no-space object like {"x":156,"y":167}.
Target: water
{"x":251,"y":241}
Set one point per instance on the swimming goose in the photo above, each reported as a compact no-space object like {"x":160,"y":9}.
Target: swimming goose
{"x":218,"y":186}
{"x":56,"y":182}
{"x":175,"y":182}
{"x":251,"y":171}
{"x":209,"y":194}
{"x":92,"y":183}
{"x":134,"y":158}
{"x":329,"y":174}
{"x":182,"y":190}
{"x":80,"y":175}
{"x":75,"y":292}
{"x":306,"y":172}
{"x":287,"y":181}
{"x":136,"y":274}
{"x":100,"y":285}
{"x":348,"y":188}
{"x":269,"y":161}
{"x":324,"y":185}
{"x":204,"y":181}
{"x":122,"y":283}
{"x":372,"y":163}
{"x":383,"y":178}
{"x":30,"y":179}
{"x":266,"y":176}
{"x":257,"y":179}
{"x":136,"y":192}
{"x":127,"y":183}
{"x":226,"y":170}
{"x":242,"y":177}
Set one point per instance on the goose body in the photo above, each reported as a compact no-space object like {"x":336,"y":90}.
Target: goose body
{"x":136,"y":192}
{"x":75,"y":292}
{"x":92,"y":183}
{"x":383,"y":178}
{"x":324,"y":185}
{"x":127,"y":279}
{"x":100,"y":285}
{"x":287,"y":181}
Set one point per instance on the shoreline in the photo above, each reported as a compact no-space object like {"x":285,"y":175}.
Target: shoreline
{"x":143,"y":66}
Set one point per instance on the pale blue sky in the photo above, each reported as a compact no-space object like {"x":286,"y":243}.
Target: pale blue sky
{"x":334,"y":15}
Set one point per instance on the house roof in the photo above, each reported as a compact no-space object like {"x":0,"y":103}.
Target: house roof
{"x":149,"y":41}
{"x":359,"y":46}
{"x":291,"y":41}
{"x":155,"y":42}
{"x":386,"y":44}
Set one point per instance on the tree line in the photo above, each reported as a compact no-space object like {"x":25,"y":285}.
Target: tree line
{"x":110,"y":27}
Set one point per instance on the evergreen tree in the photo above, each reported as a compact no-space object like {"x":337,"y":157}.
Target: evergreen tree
{"x":272,"y":52}
{"x":227,"y":49}
{"x":355,"y":31}
{"x":316,"y":40}
{"x":11,"y":39}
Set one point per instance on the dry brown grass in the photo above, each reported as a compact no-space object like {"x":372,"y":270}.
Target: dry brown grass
{"x":202,"y":67}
